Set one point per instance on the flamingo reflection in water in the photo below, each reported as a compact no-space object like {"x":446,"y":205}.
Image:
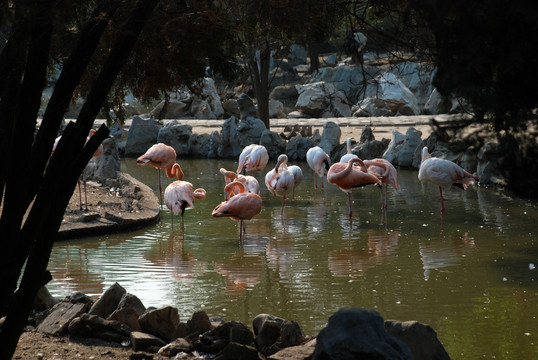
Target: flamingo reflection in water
{"x":241,"y":272}
{"x":352,"y":263}
{"x":171,"y":254}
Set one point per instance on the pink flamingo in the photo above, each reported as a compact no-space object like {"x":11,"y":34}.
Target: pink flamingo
{"x":250,"y":183}
{"x":319,"y":162}
{"x":179,"y":195}
{"x":97,"y":153}
{"x":384,"y":171}
{"x":162,"y":156}
{"x":280,"y":180}
{"x":443,"y":173}
{"x":253,"y":158}
{"x":242,"y":206}
{"x":347,"y":177}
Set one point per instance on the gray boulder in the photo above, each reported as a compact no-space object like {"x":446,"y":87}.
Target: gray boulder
{"x":176,"y":135}
{"x":229,"y":139}
{"x":108,"y":302}
{"x":109,"y":163}
{"x":401,"y":150}
{"x":250,"y":131}
{"x":330,"y":137}
{"x":160,"y":322}
{"x":490,"y":159}
{"x":421,"y":339}
{"x":356,"y":333}
{"x":273,"y":142}
{"x":142,"y":135}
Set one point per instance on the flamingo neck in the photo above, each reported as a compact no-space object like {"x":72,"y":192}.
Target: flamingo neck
{"x":199,"y":194}
{"x":231,"y":187}
{"x":174,"y":171}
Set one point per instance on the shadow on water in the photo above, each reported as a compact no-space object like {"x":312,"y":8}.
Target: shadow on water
{"x":470,"y":275}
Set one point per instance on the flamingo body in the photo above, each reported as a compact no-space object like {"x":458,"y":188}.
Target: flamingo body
{"x":97,"y":153}
{"x":253,"y":158}
{"x":443,"y":173}
{"x":384,"y":171}
{"x":179,"y":195}
{"x":250,"y":183}
{"x":242,"y":206}
{"x":347,"y":177}
{"x":319,"y":161}
{"x":162,"y":156}
{"x":280,"y":180}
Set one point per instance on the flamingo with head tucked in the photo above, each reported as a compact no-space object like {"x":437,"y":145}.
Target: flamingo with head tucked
{"x":162,"y":156}
{"x":320,"y":162}
{"x":347,"y":176}
{"x":280,"y":180}
{"x":443,"y":173}
{"x":179,"y":195}
{"x":242,"y":206}
{"x":253,"y":158}
{"x":97,"y":153}
{"x":250,"y":183}
{"x":384,"y":171}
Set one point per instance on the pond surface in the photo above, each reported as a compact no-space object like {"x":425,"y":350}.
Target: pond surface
{"x":472,"y":277}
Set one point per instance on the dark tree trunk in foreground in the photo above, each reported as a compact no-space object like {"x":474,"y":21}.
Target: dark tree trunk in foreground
{"x":259,"y":74}
{"x":23,"y":177}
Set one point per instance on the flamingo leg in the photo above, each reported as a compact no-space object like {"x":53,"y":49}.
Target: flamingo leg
{"x":160,"y":189}
{"x":172,"y":219}
{"x":182,"y":224}
{"x":79,"y":194}
{"x":382,"y":201}
{"x":241,"y":231}
{"x":282,"y":209}
{"x":442,"y":200}
{"x":322,"y":184}
{"x":385,"y":202}
{"x":349,"y":203}
{"x":316,"y":181}
{"x":85,"y":196}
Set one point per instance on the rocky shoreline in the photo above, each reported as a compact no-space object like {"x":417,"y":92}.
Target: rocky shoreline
{"x":116,"y":205}
{"x":121,"y":320}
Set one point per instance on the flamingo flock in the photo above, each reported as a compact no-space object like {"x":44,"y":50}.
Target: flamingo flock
{"x":242,"y":200}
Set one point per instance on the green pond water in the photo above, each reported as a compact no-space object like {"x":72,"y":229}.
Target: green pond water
{"x":471,"y":276}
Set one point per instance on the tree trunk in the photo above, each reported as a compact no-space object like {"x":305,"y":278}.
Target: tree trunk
{"x":313,"y":54}
{"x":259,"y":74}
{"x":63,"y":170}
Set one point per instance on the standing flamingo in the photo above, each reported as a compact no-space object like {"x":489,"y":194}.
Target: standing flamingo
{"x":443,"y":173}
{"x":179,"y":195}
{"x":349,"y":155}
{"x":250,"y":183}
{"x":280,"y":180}
{"x":319,"y":162}
{"x":97,"y":153}
{"x":347,"y":177}
{"x":298,"y":177}
{"x":242,"y":206}
{"x":384,"y":171}
{"x":162,"y":156}
{"x":253,"y":158}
